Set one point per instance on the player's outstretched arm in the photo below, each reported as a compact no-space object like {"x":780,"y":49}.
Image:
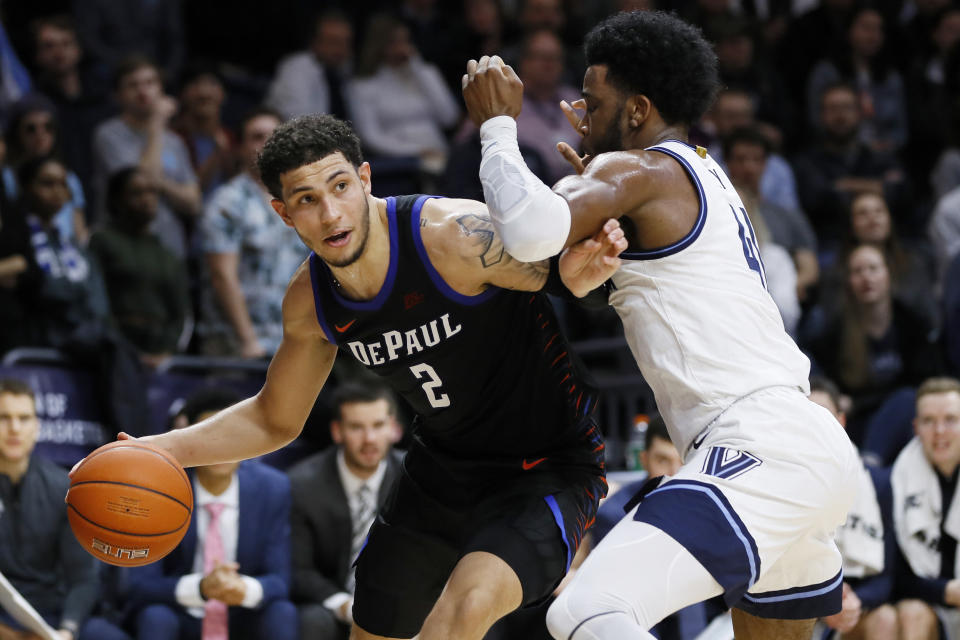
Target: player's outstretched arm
{"x":535,"y":222}
{"x":275,"y":416}
{"x":464,"y":246}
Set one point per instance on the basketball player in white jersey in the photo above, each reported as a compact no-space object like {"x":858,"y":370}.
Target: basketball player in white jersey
{"x":767,"y":474}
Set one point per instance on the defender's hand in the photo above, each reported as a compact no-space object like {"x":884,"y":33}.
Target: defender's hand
{"x":591,"y":262}
{"x":491,"y":88}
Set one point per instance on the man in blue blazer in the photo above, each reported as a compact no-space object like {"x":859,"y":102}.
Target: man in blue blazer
{"x":230,"y":576}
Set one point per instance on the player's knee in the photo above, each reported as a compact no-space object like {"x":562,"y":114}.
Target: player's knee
{"x":916,"y":616}
{"x":571,"y":612}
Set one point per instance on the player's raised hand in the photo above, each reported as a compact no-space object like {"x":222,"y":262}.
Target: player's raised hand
{"x":591,"y":262}
{"x":491,"y":88}
{"x":576,"y":121}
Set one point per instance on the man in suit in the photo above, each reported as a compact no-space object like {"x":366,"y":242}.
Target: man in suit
{"x":334,"y":506}
{"x":231,"y":573}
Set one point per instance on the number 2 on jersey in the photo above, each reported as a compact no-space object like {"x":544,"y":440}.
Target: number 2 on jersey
{"x":431,"y":386}
{"x":749,"y":241}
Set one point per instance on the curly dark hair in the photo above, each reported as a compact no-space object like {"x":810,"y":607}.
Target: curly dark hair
{"x":303,"y":140}
{"x":660,"y":56}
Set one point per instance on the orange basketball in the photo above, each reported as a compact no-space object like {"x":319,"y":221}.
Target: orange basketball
{"x":129,"y":503}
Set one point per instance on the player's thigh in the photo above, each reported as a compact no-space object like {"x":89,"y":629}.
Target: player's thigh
{"x":750,"y":627}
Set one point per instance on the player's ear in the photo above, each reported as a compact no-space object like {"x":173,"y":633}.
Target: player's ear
{"x":638,"y":108}
{"x":364,"y":172}
{"x":281,"y":210}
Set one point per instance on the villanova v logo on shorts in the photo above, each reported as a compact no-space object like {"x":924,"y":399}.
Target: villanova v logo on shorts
{"x":729,"y":463}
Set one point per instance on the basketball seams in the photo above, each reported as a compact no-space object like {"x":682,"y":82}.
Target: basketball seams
{"x":133,"y":486}
{"x":140,"y":446}
{"x":127,"y":533}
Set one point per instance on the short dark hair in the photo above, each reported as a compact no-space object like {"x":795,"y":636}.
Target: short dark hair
{"x":132,"y":63}
{"x":17,"y":388}
{"x":116,"y":185}
{"x":656,"y":428}
{"x":256,"y":112}
{"x":361,"y":391}
{"x":660,"y":56}
{"x":29,"y":169}
{"x":207,"y":400}
{"x":746,"y":135}
{"x":303,"y":140}
{"x":827,"y":386}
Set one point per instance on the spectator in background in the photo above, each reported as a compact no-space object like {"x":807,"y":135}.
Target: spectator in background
{"x":314,"y":81}
{"x":146,"y":284}
{"x":838,"y":166}
{"x":541,"y":123}
{"x":14,"y":78}
{"x":867,"y":543}
{"x":746,"y":151}
{"x":208,"y":141}
{"x":336,"y":495}
{"x":925,"y":512}
{"x":250,"y":256}
{"x":112,"y":31}
{"x":401,"y":105}
{"x":550,"y":15}
{"x":874,"y":343}
{"x":480,"y":32}
{"x":734,"y":109}
{"x":19,"y":275}
{"x":80,"y":94}
{"x":428,"y":25}
{"x":141,"y":136}
{"x":33,"y":132}
{"x":944,"y":230}
{"x":39,"y":554}
{"x":880,"y":92}
{"x":232,"y":569}
{"x":71,"y":295}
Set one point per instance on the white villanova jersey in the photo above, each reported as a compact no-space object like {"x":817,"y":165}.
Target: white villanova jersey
{"x":697,"y":314}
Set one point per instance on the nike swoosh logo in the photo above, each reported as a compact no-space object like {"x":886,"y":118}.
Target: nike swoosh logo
{"x":344,"y":327}
{"x":699,"y":441}
{"x":530,"y":465}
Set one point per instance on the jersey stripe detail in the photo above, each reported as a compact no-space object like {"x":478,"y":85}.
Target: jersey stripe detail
{"x":315,"y":280}
{"x":687,"y":240}
{"x":437,"y":279}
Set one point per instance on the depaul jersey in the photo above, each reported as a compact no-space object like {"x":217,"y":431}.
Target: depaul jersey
{"x":697,"y":314}
{"x":490,"y":376}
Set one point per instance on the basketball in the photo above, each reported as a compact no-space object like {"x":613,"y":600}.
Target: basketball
{"x":129,"y":503}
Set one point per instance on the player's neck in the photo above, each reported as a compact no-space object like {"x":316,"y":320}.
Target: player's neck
{"x":877,"y":317}
{"x":661,"y":134}
{"x":14,"y":469}
{"x":363,"y":279}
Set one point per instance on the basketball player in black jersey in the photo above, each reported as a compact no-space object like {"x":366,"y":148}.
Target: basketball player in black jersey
{"x":506,"y":466}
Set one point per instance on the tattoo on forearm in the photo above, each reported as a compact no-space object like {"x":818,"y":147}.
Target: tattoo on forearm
{"x":487,"y":245}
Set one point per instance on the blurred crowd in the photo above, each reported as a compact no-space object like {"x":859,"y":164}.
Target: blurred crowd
{"x":134,"y":227}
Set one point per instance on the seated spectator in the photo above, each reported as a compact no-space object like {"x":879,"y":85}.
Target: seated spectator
{"x":141,"y":136}
{"x":874,"y":344}
{"x":314,"y":81}
{"x":863,"y":63}
{"x":250,"y":256}
{"x":33,"y":132}
{"x":70,"y":80}
{"x":336,"y":494}
{"x":400,"y":103}
{"x":944,"y":230}
{"x":231,"y":572}
{"x":110,"y":32}
{"x":39,"y":554}
{"x":209,"y":143}
{"x":839,"y":166}
{"x":732,"y":110}
{"x":541,"y":123}
{"x":867,"y":543}
{"x":747,"y":152}
{"x":925,"y":515}
{"x":16,"y":82}
{"x":146,"y":284}
{"x":479,"y":32}
{"x":19,"y":276}
{"x":71,"y":295}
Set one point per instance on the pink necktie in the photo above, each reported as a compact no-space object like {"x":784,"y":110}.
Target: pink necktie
{"x":214,"y":611}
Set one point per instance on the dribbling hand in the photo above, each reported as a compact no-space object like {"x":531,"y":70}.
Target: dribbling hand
{"x":491,"y":88}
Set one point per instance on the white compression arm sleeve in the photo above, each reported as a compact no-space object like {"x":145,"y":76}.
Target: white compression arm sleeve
{"x":532,"y":220}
